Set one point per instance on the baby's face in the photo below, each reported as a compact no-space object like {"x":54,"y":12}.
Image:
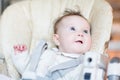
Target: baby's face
{"x":73,"y":35}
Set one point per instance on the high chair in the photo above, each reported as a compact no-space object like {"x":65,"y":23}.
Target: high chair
{"x":27,"y":22}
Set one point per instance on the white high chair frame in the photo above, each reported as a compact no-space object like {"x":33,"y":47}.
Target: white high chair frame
{"x":29,"y":21}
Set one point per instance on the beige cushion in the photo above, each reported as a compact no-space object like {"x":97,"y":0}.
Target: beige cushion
{"x":29,"y":21}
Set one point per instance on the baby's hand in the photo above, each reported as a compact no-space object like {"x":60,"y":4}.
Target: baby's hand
{"x":19,"y":49}
{"x":20,"y":57}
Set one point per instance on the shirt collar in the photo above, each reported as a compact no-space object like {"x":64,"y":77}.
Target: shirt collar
{"x":69,"y":55}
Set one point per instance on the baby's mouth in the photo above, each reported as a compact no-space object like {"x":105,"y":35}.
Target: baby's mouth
{"x":79,"y":41}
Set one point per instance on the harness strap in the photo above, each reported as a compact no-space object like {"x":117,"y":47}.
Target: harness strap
{"x":35,"y":57}
{"x":66,"y":65}
{"x":61,"y":69}
{"x":34,"y":60}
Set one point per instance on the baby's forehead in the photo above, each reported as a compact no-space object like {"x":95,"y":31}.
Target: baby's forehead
{"x":73,"y":20}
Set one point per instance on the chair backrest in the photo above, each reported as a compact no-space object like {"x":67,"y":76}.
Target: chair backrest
{"x":29,"y":21}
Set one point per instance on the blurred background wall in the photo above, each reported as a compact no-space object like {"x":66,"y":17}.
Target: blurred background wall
{"x":114,"y":46}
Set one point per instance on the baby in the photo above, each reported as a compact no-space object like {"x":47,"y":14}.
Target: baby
{"x":72,"y":36}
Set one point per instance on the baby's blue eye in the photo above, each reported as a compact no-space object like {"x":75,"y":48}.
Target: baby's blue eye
{"x":72,"y":28}
{"x":86,"y":31}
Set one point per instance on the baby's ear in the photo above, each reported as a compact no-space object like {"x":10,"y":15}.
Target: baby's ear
{"x":56,"y":39}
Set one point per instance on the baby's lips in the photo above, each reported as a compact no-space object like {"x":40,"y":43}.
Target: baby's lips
{"x":79,"y":41}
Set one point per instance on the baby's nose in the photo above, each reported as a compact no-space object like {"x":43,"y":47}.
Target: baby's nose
{"x":80,"y":34}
